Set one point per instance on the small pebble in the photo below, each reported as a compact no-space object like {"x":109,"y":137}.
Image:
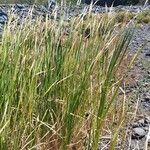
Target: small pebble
{"x":147,"y":97}
{"x":138,"y":133}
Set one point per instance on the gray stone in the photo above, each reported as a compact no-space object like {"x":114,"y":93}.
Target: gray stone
{"x":141,"y":121}
{"x":135,"y":125}
{"x":51,"y":4}
{"x":147,"y":97}
{"x":138,"y":133}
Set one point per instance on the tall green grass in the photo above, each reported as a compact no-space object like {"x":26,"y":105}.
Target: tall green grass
{"x":59,"y":84}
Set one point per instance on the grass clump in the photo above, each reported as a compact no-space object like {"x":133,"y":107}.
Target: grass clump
{"x":140,"y":18}
{"x":58,"y":90}
{"x":143,"y":17}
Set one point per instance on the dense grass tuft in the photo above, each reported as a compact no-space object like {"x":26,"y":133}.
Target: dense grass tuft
{"x":59,"y":83}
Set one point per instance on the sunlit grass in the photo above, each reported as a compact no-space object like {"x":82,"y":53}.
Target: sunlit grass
{"x":58,"y":88}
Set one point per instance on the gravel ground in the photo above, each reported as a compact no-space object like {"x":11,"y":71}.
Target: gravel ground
{"x":140,"y":126}
{"x":141,"y":36}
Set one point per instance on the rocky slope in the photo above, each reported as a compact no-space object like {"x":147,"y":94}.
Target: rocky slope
{"x":23,"y":10}
{"x":139,"y":127}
